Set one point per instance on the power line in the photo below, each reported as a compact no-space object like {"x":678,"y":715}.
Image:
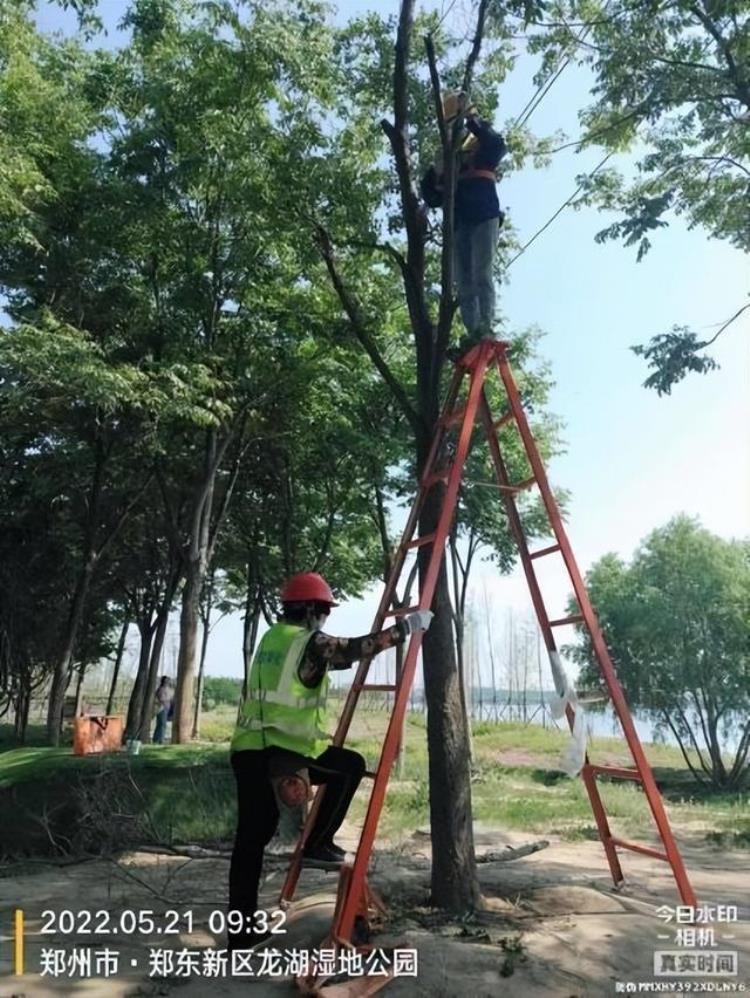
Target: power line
{"x":562,"y":207}
{"x":447,"y":12}
{"x":544,"y":88}
{"x":539,"y":96}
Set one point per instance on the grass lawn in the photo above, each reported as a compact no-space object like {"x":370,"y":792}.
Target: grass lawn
{"x":517,"y":784}
{"x":179,"y":793}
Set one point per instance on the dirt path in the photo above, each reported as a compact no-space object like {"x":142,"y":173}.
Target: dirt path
{"x":553,"y":925}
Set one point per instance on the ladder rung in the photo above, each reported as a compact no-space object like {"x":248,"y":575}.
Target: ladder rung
{"x":499,"y":423}
{"x":620,"y":772}
{"x":402,"y":611}
{"x":369,"y":773}
{"x":454,"y":417}
{"x":637,"y":847}
{"x":435,"y":477}
{"x":576,"y":618}
{"x":421,"y":541}
{"x":542,"y":551}
{"x":379,"y":688}
{"x":519,"y":486}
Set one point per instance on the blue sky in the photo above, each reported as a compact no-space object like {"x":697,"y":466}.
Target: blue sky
{"x":633,"y":460}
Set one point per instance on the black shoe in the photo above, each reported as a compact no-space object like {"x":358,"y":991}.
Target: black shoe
{"x":337,"y":850}
{"x":246,"y":940}
{"x":323,"y":857}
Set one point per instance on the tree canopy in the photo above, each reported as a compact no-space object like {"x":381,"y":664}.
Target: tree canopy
{"x":677,"y":621}
{"x":672,"y":88}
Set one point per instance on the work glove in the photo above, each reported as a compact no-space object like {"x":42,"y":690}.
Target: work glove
{"x":420,"y":620}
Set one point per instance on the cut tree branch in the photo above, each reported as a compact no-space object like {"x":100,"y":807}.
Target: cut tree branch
{"x":359,"y":327}
{"x":476,"y":46}
{"x":118,"y":524}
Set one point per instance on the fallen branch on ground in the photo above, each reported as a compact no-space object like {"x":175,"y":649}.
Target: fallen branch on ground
{"x":510,"y":853}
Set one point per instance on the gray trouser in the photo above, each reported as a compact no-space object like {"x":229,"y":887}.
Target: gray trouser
{"x":474,"y":253}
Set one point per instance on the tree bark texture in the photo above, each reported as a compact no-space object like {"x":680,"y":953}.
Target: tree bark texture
{"x":64,"y":662}
{"x":197,"y":557}
{"x":157,"y":648}
{"x":118,"y":662}
{"x":189,"y":618}
{"x":79,"y":687}
{"x":201,"y":668}
{"x":136,"y":714}
{"x":454,"y":883}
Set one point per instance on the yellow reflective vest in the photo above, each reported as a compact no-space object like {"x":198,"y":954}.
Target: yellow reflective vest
{"x":278,"y":709}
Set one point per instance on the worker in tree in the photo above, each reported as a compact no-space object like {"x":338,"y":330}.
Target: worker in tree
{"x":477,"y":214}
{"x":281,"y":732}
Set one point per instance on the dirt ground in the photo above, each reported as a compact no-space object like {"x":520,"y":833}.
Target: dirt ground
{"x":553,"y":925}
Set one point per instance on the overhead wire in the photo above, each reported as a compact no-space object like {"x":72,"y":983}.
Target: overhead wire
{"x":559,"y":211}
{"x":523,"y":118}
{"x":539,"y":95}
{"x":531,"y":105}
{"x":451,"y":5}
{"x":543,"y":88}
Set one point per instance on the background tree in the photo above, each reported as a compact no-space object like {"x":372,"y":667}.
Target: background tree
{"x":202,"y":142}
{"x":677,"y":621}
{"x":225,"y":255}
{"x":672,"y":85}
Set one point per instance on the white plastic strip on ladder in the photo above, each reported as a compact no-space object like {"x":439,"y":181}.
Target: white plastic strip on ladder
{"x":574,"y":755}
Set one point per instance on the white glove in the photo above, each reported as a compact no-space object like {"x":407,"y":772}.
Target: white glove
{"x":420,"y":620}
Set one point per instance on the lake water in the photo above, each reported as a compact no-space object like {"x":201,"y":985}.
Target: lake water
{"x":600,"y":722}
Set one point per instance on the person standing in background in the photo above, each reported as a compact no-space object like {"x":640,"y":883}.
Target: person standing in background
{"x":164,"y":696}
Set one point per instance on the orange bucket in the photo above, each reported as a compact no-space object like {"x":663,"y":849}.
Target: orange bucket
{"x":96,"y":733}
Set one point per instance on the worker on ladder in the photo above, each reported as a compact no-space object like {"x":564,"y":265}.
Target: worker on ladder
{"x":281,"y":732}
{"x":477,"y":215}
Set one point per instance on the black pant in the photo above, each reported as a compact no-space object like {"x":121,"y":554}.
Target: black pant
{"x":258,"y":814}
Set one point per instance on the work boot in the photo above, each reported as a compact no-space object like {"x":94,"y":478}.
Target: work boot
{"x":325,"y":856}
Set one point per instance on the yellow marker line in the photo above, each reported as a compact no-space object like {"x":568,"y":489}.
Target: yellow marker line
{"x":19,"y":941}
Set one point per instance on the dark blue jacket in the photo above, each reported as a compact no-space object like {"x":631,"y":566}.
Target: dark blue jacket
{"x":476,"y":197}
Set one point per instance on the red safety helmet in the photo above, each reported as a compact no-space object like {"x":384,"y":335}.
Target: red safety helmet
{"x":307,"y":587}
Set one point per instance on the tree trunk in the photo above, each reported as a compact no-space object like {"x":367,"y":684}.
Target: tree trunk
{"x":454,"y":883}
{"x":201,"y":667}
{"x":64,"y":662}
{"x":79,"y":688}
{"x":25,"y":714}
{"x":197,"y":559}
{"x":717,"y":763}
{"x":157,"y":647}
{"x":135,"y":724}
{"x":23,"y":704}
{"x":189,"y":618}
{"x":118,"y":662}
